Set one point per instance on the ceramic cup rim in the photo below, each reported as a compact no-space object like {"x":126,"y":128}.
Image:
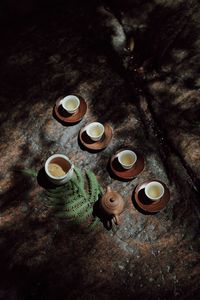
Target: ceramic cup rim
{"x":127,"y":166}
{"x":50,"y":159}
{"x":154,"y":182}
{"x":67,"y":98}
{"x":96,"y":137}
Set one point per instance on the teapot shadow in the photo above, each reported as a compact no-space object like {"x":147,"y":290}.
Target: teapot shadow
{"x":105,"y":219}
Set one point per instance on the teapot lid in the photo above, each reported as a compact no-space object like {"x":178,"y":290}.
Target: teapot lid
{"x":112,"y":201}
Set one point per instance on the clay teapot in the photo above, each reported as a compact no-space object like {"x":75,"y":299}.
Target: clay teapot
{"x":112,"y":204}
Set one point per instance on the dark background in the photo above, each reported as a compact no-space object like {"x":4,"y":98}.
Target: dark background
{"x":150,"y":96}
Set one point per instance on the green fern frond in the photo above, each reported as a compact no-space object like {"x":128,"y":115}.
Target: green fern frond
{"x":60,"y":195}
{"x":80,"y":178}
{"x":77,"y":211}
{"x":93,"y":186}
{"x":68,"y":187}
{"x":77,"y":216}
{"x":72,"y":202}
{"x":76,"y":185}
{"x":73,"y":198}
{"x":101,"y":191}
{"x":56,"y":201}
{"x":84,"y":216}
{"x":61,"y":214}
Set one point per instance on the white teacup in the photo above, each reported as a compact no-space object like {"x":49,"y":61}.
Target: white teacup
{"x":127,"y":158}
{"x":154,"y":190}
{"x":70,"y":104}
{"x":59,"y":169}
{"x":95,"y":131}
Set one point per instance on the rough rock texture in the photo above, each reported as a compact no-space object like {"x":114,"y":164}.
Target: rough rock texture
{"x":150,"y":97}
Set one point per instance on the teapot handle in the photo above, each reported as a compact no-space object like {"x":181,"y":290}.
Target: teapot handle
{"x":116,"y":219}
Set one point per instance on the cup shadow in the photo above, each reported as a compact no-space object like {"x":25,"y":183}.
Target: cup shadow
{"x":84,"y":148}
{"x":62,"y":122}
{"x":43,"y":180}
{"x":86,"y":139}
{"x":114,"y":176}
{"x":143,"y":198}
{"x":144,"y":201}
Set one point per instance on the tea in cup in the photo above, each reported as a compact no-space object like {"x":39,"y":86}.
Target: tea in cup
{"x":127,"y":158}
{"x":154,"y":190}
{"x":70,"y":104}
{"x":95,"y":131}
{"x":59,"y":169}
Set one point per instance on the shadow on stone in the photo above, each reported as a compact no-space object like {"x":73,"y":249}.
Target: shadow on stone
{"x":140,"y":209}
{"x":62,"y":122}
{"x":113,"y":176}
{"x":43,"y":180}
{"x":104,"y":218}
{"x":87,"y":149}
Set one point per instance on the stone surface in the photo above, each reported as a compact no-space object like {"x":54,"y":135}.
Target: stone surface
{"x":54,"y":53}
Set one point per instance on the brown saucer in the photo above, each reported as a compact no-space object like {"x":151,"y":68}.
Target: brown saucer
{"x":128,"y":174}
{"x":145,"y":203}
{"x":99,"y":145}
{"x":70,"y":118}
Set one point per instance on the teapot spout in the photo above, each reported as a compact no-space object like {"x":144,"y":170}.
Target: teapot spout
{"x":108,"y":190}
